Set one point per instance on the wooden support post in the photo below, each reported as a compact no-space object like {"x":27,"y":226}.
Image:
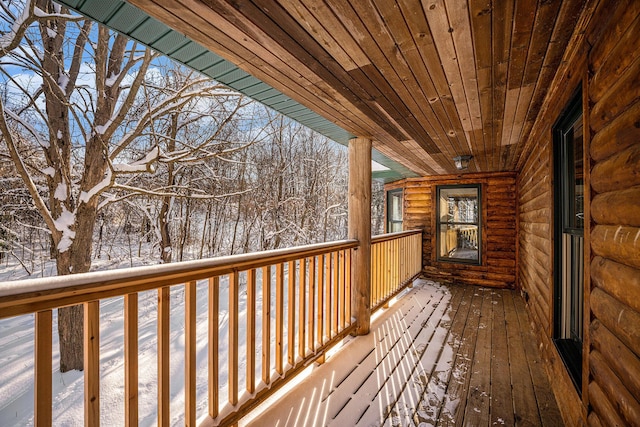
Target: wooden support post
{"x":360,"y":229}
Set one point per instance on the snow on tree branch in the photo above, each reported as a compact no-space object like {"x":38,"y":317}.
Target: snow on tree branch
{"x":63,"y":224}
{"x":86,"y":196}
{"x":13,"y":37}
{"x":143,"y":165}
{"x":41,"y":14}
{"x":22,"y":169}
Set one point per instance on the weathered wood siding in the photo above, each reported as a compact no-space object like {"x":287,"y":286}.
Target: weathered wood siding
{"x":604,"y":57}
{"x":498,"y":227}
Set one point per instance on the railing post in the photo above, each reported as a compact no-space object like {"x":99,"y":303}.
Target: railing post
{"x":360,"y":229}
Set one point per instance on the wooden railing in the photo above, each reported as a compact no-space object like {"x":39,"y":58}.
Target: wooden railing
{"x":296,"y":306}
{"x":396,"y":259}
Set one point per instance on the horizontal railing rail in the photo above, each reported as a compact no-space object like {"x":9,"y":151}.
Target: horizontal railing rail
{"x":31,"y":295}
{"x":309,"y":287}
{"x":396,"y":259}
{"x":285,"y":309}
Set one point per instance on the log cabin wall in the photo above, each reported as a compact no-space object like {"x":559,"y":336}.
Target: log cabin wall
{"x":498,"y":217}
{"x":604,"y":58}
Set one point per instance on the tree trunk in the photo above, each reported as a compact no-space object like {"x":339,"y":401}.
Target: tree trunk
{"x":70,"y":334}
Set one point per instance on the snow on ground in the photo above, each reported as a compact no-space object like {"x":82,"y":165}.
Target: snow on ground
{"x":17,"y":347}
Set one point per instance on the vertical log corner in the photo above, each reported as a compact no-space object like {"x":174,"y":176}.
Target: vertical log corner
{"x":360,"y":229}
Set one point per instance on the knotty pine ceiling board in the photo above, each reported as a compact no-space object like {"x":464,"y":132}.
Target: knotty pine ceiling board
{"x":426,"y":80}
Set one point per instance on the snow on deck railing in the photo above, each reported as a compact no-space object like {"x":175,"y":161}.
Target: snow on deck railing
{"x":310,"y":285}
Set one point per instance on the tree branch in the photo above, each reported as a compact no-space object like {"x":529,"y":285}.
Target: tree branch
{"x":24,"y":174}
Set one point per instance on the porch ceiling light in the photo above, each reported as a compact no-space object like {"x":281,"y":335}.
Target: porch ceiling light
{"x":462,"y":162}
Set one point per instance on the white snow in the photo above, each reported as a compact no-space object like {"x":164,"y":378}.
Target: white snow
{"x":49,"y":171}
{"x":42,"y":14}
{"x":61,"y":192}
{"x":16,"y":356}
{"x":7,"y":38}
{"x":51,"y":32}
{"x":63,"y":224}
{"x":111,"y":79}
{"x":41,"y":141}
{"x":63,"y":81}
{"x":59,"y":134}
{"x":142,"y":165}
{"x":101,"y":129}
{"x":85,"y":196}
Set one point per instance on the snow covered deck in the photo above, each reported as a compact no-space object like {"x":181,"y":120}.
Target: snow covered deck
{"x":441,"y":355}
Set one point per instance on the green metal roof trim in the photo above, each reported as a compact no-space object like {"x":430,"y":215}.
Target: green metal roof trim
{"x":136,"y":24}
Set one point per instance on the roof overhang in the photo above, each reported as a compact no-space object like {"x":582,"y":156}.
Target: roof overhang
{"x":139,"y":26}
{"x":425,"y":81}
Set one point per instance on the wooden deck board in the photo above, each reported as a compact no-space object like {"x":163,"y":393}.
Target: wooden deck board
{"x":461,"y":355}
{"x":501,"y":411}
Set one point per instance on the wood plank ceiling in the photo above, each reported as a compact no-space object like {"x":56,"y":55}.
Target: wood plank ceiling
{"x":426,"y":80}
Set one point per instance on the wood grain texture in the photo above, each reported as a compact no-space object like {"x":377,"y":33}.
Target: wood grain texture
{"x":43,"y":369}
{"x":164,"y":397}
{"x":190,"y":354}
{"x":359,"y":221}
{"x":131,"y":359}
{"x":498,"y":232}
{"x":424,"y":80}
{"x":92,"y":363}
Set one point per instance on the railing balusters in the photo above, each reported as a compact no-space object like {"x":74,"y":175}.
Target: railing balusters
{"x":214,"y":308}
{"x":280,"y":318}
{"x":251,"y":331}
{"x":291,"y":300}
{"x":266,"y":324}
{"x":347,"y":279}
{"x":395,"y":259}
{"x":335,"y":302}
{"x":327,"y":298}
{"x":163,"y":355}
{"x":233,"y":338}
{"x":374,"y":275}
{"x":43,"y":373}
{"x":190,"y":353}
{"x":320,"y":289}
{"x":321,"y":319}
{"x":92,"y":363}
{"x":342,"y":288}
{"x":301,"y":307}
{"x":131,"y":359}
{"x":311,"y":315}
{"x":389,"y":250}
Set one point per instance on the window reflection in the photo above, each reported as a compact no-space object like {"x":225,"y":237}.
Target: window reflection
{"x":394,"y":211}
{"x":458,"y":224}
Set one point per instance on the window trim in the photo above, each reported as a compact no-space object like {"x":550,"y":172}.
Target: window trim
{"x":571,"y":352}
{"x":478,"y":224}
{"x":388,"y":221}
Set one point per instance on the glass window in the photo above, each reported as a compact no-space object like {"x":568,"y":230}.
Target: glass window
{"x":458,"y":223}
{"x":394,"y":211}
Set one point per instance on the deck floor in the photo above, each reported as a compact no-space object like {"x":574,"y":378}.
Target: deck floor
{"x":441,"y":355}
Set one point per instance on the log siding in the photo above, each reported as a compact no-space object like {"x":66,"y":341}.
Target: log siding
{"x":605,"y":59}
{"x":498,"y":228}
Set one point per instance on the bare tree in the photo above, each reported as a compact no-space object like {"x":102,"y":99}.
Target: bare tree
{"x":92,"y":137}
